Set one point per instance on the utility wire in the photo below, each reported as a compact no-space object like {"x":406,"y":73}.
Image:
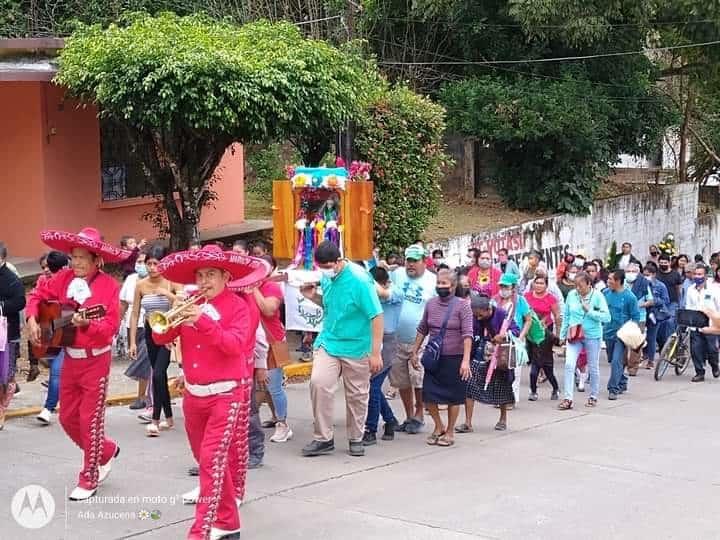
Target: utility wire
{"x":557,"y":59}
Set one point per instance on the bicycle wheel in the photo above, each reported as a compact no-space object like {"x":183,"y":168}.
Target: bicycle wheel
{"x":667,"y":356}
{"x":682,"y":357}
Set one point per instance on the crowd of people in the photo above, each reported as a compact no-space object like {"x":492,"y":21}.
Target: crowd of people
{"x":443,"y":338}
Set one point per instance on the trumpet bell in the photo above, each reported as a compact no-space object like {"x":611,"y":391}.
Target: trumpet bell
{"x":162,"y":321}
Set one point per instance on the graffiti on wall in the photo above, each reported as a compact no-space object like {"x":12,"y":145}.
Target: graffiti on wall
{"x":514,"y":241}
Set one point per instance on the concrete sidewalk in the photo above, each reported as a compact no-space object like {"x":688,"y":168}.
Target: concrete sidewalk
{"x":643,"y":467}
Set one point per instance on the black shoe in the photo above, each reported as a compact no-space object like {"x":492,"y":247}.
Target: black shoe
{"x":555,"y":396}
{"x":716,"y":372}
{"x":33,"y":373}
{"x":137,"y":405}
{"x":369,"y":439}
{"x":698,"y":378}
{"x":17,"y":389}
{"x":612,"y":396}
{"x":319,"y":448}
{"x":194,"y":471}
{"x":255,"y":462}
{"x":389,"y":432}
{"x":356,"y":448}
{"x":402,"y":427}
{"x":45,"y":383}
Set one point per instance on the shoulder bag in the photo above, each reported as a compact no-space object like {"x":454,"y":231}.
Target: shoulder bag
{"x":431,"y":356}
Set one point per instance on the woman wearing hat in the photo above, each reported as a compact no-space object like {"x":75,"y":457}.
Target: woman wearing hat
{"x":85,"y":370}
{"x":217,"y":341}
{"x":515,"y":304}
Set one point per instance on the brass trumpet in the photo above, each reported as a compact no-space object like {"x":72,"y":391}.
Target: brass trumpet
{"x":162,"y":321}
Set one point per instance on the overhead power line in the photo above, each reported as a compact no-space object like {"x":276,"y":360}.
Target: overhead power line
{"x":557,"y":59}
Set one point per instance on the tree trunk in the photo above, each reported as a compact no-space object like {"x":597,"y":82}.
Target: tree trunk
{"x":684,"y":130}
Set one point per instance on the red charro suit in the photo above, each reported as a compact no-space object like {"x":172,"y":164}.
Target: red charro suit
{"x":217,"y":349}
{"x":85,"y":370}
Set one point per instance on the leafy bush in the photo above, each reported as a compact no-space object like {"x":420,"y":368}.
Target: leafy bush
{"x":401,"y":136}
{"x":264,"y":164}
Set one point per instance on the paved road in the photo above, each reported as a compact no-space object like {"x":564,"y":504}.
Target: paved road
{"x":641,"y":467}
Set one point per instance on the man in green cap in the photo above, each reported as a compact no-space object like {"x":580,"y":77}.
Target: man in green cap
{"x":417,"y":285}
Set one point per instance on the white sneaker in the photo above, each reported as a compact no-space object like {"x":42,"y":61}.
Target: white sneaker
{"x":151,"y":430}
{"x":283,"y":433}
{"x":217,"y":534}
{"x":44,"y":417}
{"x":145,"y":417}
{"x":81,"y":494}
{"x":581,"y":381}
{"x":192,"y":496}
{"x":104,"y":470}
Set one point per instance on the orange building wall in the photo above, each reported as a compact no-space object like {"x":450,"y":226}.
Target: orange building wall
{"x":66,"y":189}
{"x":21,"y":165}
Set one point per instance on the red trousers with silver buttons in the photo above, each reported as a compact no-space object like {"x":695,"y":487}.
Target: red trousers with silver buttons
{"x":217,"y":428}
{"x":83,"y":386}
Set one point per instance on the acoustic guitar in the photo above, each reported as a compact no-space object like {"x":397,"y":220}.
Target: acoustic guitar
{"x":56,"y":328}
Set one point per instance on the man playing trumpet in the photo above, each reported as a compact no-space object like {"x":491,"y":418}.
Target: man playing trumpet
{"x":217,"y":341}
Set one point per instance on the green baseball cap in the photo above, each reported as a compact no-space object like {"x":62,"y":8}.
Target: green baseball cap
{"x":415,"y":252}
{"x":508,"y":280}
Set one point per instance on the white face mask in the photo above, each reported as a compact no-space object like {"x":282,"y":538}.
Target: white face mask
{"x":505,"y":293}
{"x":328,"y":272}
{"x":571,"y":276}
{"x":631,"y":276}
{"x":579,"y":261}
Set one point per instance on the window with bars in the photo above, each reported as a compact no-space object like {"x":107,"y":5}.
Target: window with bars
{"x":121,"y":171}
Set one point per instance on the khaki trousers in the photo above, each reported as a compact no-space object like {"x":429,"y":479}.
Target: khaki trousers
{"x":326,"y":371}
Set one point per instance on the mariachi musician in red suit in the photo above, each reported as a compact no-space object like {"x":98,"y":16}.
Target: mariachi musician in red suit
{"x":217,"y":334}
{"x":85,"y":371}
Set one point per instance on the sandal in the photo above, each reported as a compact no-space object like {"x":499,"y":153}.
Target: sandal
{"x":591,"y":402}
{"x":500,"y":426}
{"x":433,"y":439}
{"x":565,"y":405}
{"x":464,"y":428}
{"x":445,"y":442}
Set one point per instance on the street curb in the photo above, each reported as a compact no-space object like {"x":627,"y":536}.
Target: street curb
{"x":291,"y":371}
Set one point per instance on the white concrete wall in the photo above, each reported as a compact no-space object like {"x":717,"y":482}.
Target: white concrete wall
{"x":641,"y":219}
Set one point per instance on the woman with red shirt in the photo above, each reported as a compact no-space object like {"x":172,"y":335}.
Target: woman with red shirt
{"x":484,"y":277}
{"x":269,"y":297}
{"x":545,"y":305}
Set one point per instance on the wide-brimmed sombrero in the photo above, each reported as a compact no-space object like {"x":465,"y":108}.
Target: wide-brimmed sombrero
{"x":180,"y":267}
{"x":88,"y":238}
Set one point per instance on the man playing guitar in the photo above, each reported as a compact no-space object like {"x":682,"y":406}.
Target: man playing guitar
{"x":217,"y":338}
{"x":85,"y":371}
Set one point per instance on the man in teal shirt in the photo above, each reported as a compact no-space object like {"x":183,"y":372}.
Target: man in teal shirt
{"x":348,"y":345}
{"x":623,"y":307}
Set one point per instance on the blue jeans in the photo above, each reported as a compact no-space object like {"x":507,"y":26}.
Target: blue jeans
{"x":54,"y":384}
{"x":256,"y":435}
{"x":667,"y":327}
{"x":652,"y":340}
{"x":377,"y":404}
{"x":592,"y":348}
{"x":277,"y":393}
{"x":616,"y":353}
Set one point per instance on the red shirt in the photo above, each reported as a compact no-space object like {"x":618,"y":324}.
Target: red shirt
{"x":273,"y":324}
{"x":104,"y":291}
{"x":542,"y":306}
{"x":487,"y":284}
{"x":217,"y":350}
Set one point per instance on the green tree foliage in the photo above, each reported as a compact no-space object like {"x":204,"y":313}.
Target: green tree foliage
{"x":401,"y":136}
{"x":186,"y":88}
{"x":556,"y":126}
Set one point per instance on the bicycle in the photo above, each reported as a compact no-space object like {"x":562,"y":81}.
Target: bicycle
{"x":675,"y":352}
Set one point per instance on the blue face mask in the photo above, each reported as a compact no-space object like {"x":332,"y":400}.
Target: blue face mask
{"x":699,"y":281}
{"x":141,"y":270}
